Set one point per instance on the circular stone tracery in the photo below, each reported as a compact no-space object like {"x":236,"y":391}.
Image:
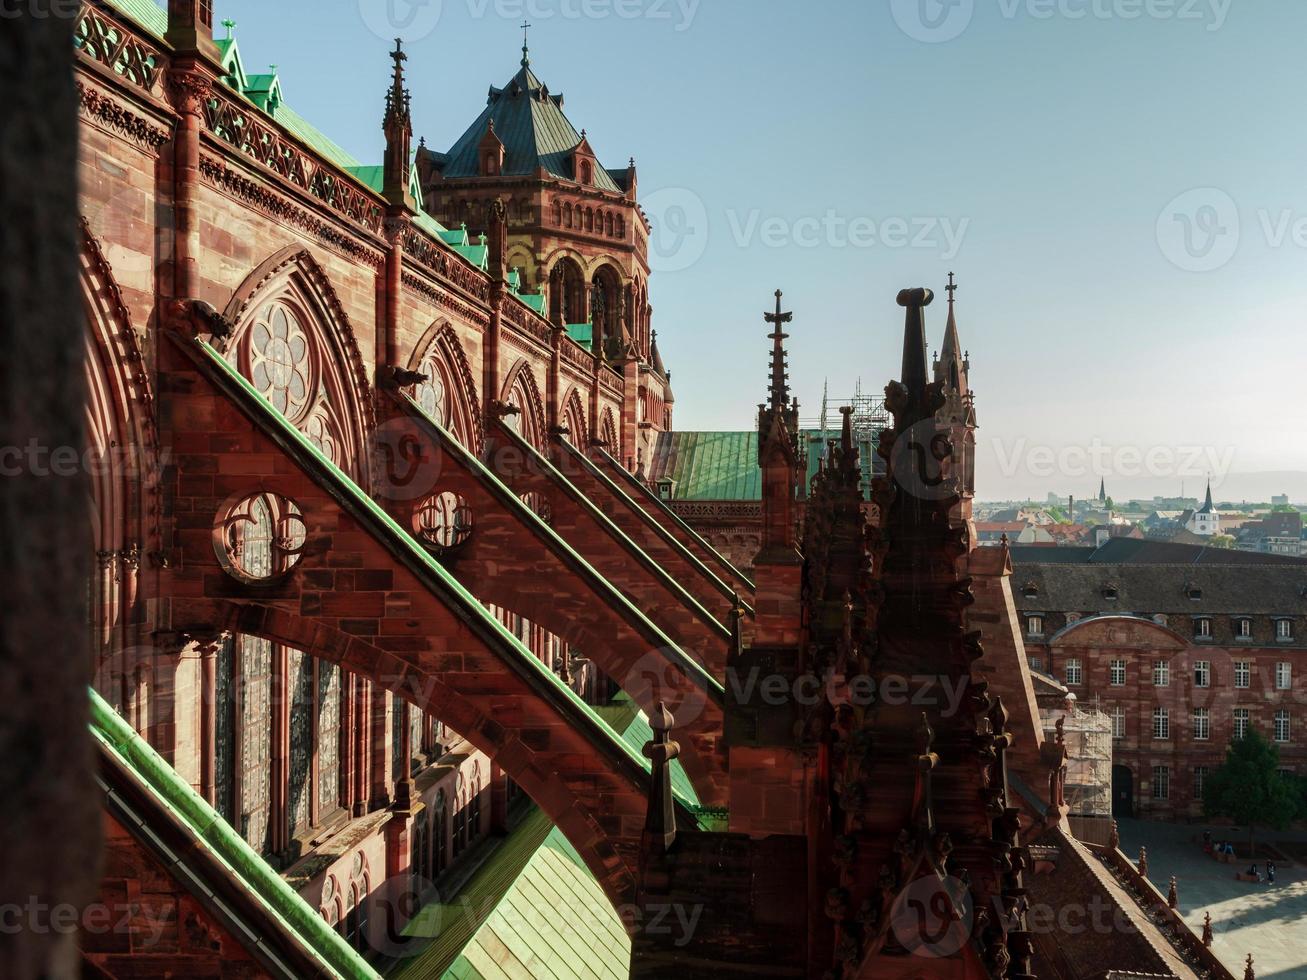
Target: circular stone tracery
{"x":443,"y":521}
{"x":260,"y":537}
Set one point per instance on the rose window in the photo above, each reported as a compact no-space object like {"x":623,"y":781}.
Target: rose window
{"x":260,"y":536}
{"x":279,"y":361}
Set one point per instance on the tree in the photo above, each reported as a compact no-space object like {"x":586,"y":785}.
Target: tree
{"x":1220,"y":541}
{"x":1249,"y":789}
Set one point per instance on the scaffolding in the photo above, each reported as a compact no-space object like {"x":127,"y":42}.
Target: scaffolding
{"x":1087,"y":734}
{"x":869,"y":416}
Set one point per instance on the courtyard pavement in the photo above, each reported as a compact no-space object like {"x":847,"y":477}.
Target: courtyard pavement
{"x":1269,"y":921}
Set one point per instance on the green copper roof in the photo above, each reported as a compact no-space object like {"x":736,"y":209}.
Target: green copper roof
{"x":626,"y":717}
{"x":582,"y":333}
{"x":216,"y":836}
{"x":724,"y":465}
{"x":529,"y":121}
{"x":534,"y":300}
{"x":476,"y":254}
{"x":148,"y":14}
{"x":708,"y":465}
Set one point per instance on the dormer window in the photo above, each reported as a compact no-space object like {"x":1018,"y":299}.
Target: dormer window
{"x":1111,"y":591}
{"x":1030,"y":590}
{"x":1243,"y":628}
{"x":1202,"y":628}
{"x":666,"y":488}
{"x":587,"y":172}
{"x":1193,"y":592}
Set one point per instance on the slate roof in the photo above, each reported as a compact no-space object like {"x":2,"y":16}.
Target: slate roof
{"x":1149,"y":589}
{"x":1149,"y":552}
{"x":530,"y":122}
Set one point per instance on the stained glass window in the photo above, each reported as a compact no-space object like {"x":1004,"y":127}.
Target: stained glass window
{"x":299,"y":673}
{"x":224,"y":744}
{"x":328,"y":738}
{"x":431,"y":393}
{"x":255,"y":750}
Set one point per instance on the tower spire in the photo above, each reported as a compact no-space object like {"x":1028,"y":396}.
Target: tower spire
{"x":398,"y":127}
{"x":779,"y":389}
{"x":915,"y":404}
{"x":949,"y":368}
{"x":526,"y":54}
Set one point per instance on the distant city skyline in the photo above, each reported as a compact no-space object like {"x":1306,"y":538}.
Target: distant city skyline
{"x":1114,"y":184}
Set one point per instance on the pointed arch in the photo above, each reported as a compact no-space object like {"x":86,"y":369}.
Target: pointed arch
{"x":574,"y":417}
{"x":520,"y":389}
{"x":440,"y":356}
{"x":123,"y":460}
{"x":608,"y":434}
{"x":291,"y":327}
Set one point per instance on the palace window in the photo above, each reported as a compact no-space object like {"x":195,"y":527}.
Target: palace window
{"x":1203,"y":628}
{"x":1035,"y":625}
{"x":1240,"y":722}
{"x":1284,"y":629}
{"x":1073,"y":672}
{"x":1118,"y":721}
{"x":1282,"y":725}
{"x":1161,"y":673}
{"x":1243,"y":628}
{"x":1161,"y":782}
{"x":1036,"y":663}
{"x":1283,"y":676}
{"x":1243,"y":672}
{"x":1161,"y":723}
{"x":1202,"y":673}
{"x":1116,"y":673}
{"x":1200,"y":780}
{"x":1202,"y":725}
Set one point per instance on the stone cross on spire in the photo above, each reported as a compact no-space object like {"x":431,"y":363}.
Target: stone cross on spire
{"x":780,"y":388}
{"x":951,"y":288}
{"x":526,"y":56}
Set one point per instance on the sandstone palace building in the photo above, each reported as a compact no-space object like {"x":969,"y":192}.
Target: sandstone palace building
{"x":399,"y":663}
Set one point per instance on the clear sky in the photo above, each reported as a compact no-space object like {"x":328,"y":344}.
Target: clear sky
{"x":1118,"y":184}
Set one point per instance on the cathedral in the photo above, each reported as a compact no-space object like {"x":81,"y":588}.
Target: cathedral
{"x":403,"y":663}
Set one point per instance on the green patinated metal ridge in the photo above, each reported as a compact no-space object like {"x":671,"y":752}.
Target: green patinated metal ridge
{"x":664,"y":509}
{"x":622,"y":537}
{"x":222,"y":842}
{"x":662,"y":532}
{"x":582,"y":333}
{"x":414,"y":556}
{"x":694,"y":671}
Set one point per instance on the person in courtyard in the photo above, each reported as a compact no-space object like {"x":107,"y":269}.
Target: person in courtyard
{"x":1270,"y":872}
